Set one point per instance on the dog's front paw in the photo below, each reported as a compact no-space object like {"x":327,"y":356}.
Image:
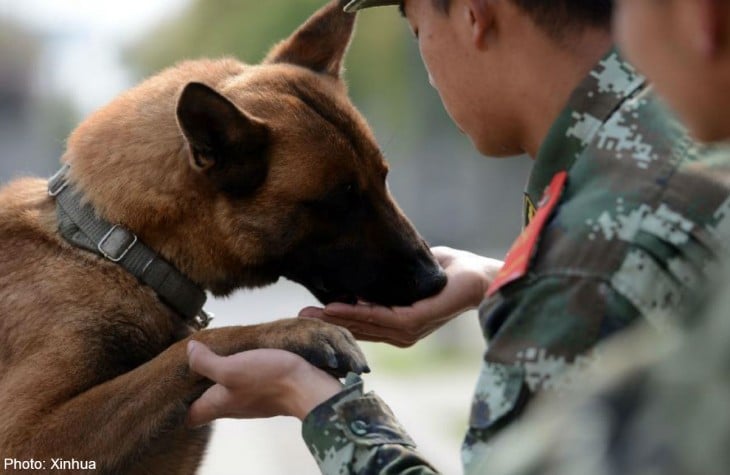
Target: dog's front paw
{"x":326,"y":346}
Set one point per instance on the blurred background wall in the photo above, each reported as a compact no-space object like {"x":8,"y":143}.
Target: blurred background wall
{"x":61,"y":60}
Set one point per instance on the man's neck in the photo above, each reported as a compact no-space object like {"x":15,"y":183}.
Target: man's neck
{"x":554,"y":73}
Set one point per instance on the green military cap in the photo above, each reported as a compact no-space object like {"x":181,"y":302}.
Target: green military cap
{"x":356,"y":5}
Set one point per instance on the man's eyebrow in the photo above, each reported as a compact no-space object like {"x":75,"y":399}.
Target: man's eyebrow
{"x":402,"y":8}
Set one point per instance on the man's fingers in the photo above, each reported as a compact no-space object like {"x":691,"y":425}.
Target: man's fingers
{"x":442,"y":251}
{"x":396,"y":320}
{"x":365,"y":313}
{"x":204,"y":362}
{"x":208,"y":407}
{"x":444,"y":255}
{"x":312,"y":312}
{"x":373,"y":333}
{"x":355,"y":327}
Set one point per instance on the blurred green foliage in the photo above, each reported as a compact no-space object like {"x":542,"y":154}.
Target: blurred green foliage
{"x":384,"y":71}
{"x":16,"y":43}
{"x":34,"y":121}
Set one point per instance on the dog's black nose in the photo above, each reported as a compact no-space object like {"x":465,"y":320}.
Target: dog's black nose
{"x":431,"y":284}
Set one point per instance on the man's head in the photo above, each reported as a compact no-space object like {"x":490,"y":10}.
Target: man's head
{"x":556,"y":17}
{"x":496,"y":62}
{"x":683,"y":46}
{"x":553,"y":15}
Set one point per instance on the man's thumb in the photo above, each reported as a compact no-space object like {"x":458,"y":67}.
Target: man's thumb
{"x":204,"y":362}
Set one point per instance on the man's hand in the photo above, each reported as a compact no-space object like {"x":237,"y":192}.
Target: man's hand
{"x":469,"y":276}
{"x":257,"y":384}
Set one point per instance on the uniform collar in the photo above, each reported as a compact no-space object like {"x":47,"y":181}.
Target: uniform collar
{"x":611,"y":82}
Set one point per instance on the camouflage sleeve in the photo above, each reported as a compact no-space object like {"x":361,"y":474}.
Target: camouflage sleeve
{"x":356,"y":433}
{"x":542,"y":336}
{"x":653,"y":406}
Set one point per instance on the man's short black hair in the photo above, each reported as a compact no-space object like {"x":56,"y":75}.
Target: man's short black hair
{"x":559,"y":16}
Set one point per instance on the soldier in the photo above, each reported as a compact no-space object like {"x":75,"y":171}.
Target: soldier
{"x":621,"y":223}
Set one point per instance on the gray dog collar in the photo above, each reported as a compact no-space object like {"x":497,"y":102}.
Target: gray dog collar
{"x":80,"y":226}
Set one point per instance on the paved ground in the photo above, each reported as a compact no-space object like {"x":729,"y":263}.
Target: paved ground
{"x":431,"y":402}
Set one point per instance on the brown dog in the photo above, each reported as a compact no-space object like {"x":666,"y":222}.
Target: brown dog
{"x":231,"y":175}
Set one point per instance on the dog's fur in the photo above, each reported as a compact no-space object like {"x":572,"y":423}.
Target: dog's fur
{"x":237,"y":175}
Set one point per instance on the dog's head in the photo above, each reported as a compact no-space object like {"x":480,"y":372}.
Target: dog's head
{"x":241,"y":174}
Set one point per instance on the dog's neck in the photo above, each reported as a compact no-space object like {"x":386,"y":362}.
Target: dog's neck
{"x":80,"y":225}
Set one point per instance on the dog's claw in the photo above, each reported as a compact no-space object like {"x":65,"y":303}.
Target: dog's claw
{"x":332,"y":358}
{"x":329,"y":347}
{"x":359,"y":367}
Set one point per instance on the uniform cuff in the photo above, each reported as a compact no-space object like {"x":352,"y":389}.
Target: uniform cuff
{"x":353,"y":416}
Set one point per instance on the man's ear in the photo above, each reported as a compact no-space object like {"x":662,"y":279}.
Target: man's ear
{"x":480,"y":16}
{"x":710,"y":25}
{"x":225,"y":143}
{"x":319,"y":44}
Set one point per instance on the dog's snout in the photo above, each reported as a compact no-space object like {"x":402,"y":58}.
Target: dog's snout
{"x":431,"y":284}
{"x":430,"y":277}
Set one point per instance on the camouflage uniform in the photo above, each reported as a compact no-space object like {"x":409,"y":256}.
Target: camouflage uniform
{"x":656,"y":405}
{"x":633,"y":234}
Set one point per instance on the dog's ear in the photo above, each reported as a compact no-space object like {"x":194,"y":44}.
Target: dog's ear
{"x":319,"y":44}
{"x":225,"y":143}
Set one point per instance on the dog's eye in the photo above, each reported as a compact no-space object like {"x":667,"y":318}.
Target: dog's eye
{"x":347,"y":195}
{"x":343,"y":199}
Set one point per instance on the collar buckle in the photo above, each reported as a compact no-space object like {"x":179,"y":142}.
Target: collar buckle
{"x":58,"y":182}
{"x":122,"y":246}
{"x":117,"y":243}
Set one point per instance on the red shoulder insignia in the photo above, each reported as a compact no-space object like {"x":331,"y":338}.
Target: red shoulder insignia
{"x":519,"y":256}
